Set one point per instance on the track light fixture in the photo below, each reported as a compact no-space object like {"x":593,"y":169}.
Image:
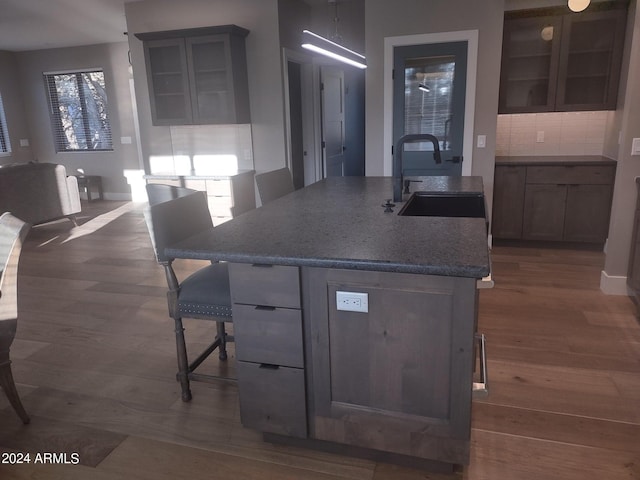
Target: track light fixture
{"x":316,"y":43}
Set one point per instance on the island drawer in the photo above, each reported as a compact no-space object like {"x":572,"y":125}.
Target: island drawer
{"x":268,"y":285}
{"x":571,"y":175}
{"x":268,"y":335}
{"x":272,"y":398}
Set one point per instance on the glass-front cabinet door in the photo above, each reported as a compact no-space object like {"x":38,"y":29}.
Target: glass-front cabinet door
{"x":531,"y":47}
{"x":590,"y":60}
{"x":168,"y":81}
{"x":211,"y":80}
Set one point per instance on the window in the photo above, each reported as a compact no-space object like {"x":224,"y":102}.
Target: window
{"x":79,"y":115}
{"x":5,"y":145}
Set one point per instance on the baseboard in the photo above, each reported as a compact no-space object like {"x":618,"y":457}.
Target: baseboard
{"x":613,"y":284}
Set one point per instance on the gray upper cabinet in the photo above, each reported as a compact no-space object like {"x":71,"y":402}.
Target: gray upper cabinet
{"x":197,"y":76}
{"x":562,"y":62}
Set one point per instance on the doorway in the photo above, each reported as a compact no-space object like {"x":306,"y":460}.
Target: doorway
{"x":468,"y":37}
{"x":333,"y":118}
{"x":325,"y":121}
{"x":429,"y":98}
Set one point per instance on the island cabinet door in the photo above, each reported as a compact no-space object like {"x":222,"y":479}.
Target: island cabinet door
{"x":397,"y":378}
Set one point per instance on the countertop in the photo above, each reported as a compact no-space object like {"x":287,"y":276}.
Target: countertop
{"x":555,"y":160}
{"x":340,"y":223}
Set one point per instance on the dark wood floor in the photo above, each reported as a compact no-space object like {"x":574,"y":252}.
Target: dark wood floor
{"x":94,"y":361}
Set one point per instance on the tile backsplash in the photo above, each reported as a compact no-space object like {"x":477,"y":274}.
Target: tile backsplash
{"x":556,"y":133}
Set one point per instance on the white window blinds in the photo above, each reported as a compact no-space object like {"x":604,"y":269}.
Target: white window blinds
{"x":79,"y":113}
{"x":5,"y":144}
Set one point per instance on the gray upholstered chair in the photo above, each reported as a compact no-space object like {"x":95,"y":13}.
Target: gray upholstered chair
{"x":159,"y":192}
{"x":12,"y":234}
{"x":204,"y":294}
{"x":274,"y":184}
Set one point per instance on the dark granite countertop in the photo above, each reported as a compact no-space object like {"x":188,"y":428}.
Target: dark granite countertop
{"x":340,"y":223}
{"x":555,"y":160}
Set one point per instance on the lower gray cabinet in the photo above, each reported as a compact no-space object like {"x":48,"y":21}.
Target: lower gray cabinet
{"x":553,"y":202}
{"x":397,"y":378}
{"x":268,"y":332}
{"x":272,"y":398}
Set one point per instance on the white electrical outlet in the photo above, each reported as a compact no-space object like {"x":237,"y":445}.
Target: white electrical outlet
{"x":352,"y":301}
{"x":540,"y":136}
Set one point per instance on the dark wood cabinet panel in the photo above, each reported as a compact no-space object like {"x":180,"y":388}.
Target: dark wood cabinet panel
{"x":544,"y":210}
{"x":549,"y":202}
{"x":268,"y":332}
{"x":508,"y":201}
{"x":397,"y":378}
{"x":266,"y":285}
{"x":272,"y":398}
{"x":571,"y":174}
{"x":269,"y":335}
{"x":587,"y":213}
{"x":197,"y":76}
{"x":558,"y":61}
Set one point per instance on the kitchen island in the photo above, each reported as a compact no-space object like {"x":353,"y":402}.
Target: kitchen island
{"x":354,"y":326}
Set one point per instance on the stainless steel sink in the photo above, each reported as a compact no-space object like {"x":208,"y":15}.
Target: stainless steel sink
{"x":424,"y":204}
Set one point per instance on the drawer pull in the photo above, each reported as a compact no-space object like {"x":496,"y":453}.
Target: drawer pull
{"x":265,"y":308}
{"x":269,"y":366}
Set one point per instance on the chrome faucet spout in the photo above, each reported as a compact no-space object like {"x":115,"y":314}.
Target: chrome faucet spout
{"x":398,"y":171}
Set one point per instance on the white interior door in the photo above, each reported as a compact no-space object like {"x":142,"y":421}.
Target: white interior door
{"x":332,"y":80}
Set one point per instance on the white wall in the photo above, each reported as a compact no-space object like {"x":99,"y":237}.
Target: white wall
{"x":625,"y":192}
{"x":260,"y":17}
{"x":113,"y":59}
{"x":406,"y":17}
{"x":11,"y":91}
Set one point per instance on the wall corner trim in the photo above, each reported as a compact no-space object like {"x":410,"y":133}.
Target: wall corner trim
{"x":613,"y":284}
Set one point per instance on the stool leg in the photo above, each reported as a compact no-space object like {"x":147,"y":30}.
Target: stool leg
{"x":9,"y":387}
{"x":183,"y":363}
{"x":222,"y":335}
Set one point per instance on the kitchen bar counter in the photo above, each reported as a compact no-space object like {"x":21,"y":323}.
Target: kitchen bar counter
{"x":341,"y":223}
{"x":354,"y":328}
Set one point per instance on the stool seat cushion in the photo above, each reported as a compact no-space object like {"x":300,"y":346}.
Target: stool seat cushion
{"x":206,"y":292}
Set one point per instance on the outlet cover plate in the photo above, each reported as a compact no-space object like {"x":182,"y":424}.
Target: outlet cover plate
{"x":352,"y":301}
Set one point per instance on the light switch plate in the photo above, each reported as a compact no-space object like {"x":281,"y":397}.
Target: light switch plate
{"x":482,"y":141}
{"x":635,"y":146}
{"x":540,"y":136}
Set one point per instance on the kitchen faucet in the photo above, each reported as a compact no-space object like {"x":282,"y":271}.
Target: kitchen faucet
{"x":397,"y":158}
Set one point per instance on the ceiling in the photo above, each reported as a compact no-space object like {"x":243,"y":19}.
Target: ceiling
{"x":42,"y":24}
